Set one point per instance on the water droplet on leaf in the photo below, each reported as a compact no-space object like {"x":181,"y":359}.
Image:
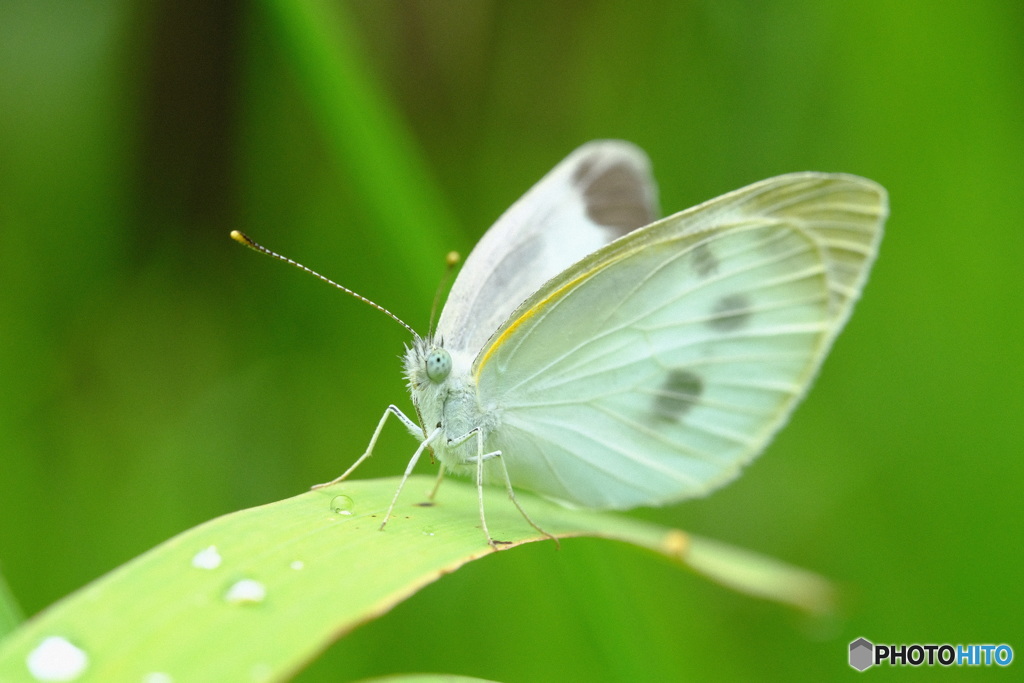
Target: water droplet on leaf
{"x":246,"y":591}
{"x":56,"y":659}
{"x":341,"y":505}
{"x":207,"y":558}
{"x":157,"y":677}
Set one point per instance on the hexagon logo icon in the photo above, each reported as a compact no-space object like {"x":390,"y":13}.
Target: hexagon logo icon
{"x":861,"y":654}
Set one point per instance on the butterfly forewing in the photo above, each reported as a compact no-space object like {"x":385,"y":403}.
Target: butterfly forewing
{"x":655,"y":368}
{"x":600,"y":192}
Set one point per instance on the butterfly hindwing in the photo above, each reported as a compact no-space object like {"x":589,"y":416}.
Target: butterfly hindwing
{"x":656,"y":367}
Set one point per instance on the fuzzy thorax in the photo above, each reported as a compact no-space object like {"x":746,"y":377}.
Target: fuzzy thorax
{"x":445,"y":396}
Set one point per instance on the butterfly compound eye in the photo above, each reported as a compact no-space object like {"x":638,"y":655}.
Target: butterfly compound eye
{"x":439,"y":364}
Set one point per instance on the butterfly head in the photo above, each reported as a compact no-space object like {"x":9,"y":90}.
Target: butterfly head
{"x":427,"y":363}
{"x":428,"y":372}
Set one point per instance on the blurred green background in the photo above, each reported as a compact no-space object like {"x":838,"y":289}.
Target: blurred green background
{"x":154,"y":374}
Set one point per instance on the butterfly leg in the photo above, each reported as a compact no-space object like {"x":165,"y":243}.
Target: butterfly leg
{"x":408,"y":470}
{"x":391,"y":410}
{"x":515,"y":501}
{"x":479,"y":459}
{"x":437,"y":484}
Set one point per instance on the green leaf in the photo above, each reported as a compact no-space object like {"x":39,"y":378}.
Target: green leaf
{"x":426,"y":678}
{"x":190,"y":607}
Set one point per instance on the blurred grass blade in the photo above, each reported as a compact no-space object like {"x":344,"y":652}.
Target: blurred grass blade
{"x":366,"y":134}
{"x":258,"y":593}
{"x":760,"y":576}
{"x":10,"y":612}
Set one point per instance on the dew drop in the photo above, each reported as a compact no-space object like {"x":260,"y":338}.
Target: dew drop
{"x":207,"y":558}
{"x":55,"y":659}
{"x":298,"y":565}
{"x":261,"y":672}
{"x":428,"y":530}
{"x":157,"y":677}
{"x":341,"y":505}
{"x":246,"y":591}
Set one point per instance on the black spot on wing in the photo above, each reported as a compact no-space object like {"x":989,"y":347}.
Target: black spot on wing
{"x":580,"y":175}
{"x":705,"y":263}
{"x":730,"y":313}
{"x":677,"y":395}
{"x":615,"y":196}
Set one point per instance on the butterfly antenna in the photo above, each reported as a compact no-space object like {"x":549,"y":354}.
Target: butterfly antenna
{"x":451,"y":260}
{"x":242,"y":238}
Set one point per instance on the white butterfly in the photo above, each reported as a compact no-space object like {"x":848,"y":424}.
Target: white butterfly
{"x":606,"y":361}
